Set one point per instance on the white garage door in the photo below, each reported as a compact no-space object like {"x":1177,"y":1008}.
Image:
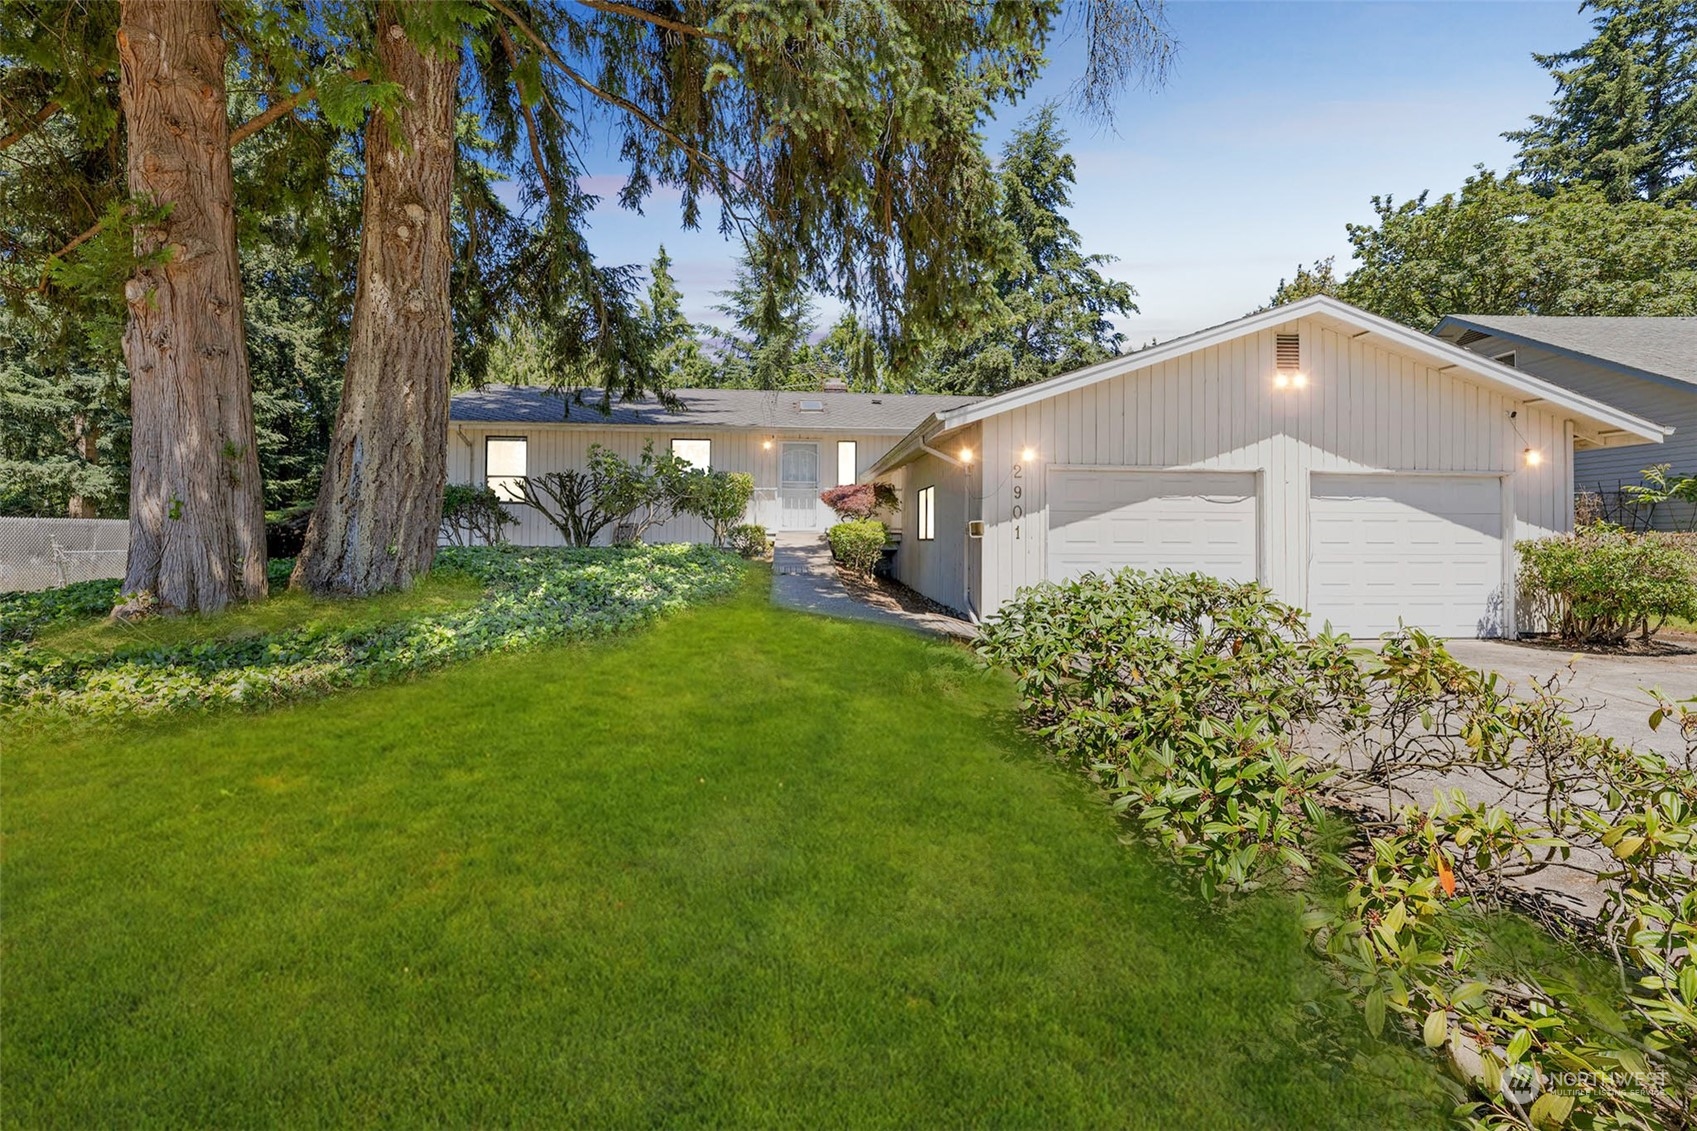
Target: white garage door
{"x":1103,"y":520}
{"x":1427,"y":549}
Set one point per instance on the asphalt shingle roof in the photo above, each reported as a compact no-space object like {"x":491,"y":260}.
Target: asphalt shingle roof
{"x":723,"y":408}
{"x":1665,"y":346}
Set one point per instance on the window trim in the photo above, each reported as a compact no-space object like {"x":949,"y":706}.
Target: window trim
{"x":525,"y":440}
{"x":926,"y":505}
{"x":672,"y":446}
{"x":854,"y":462}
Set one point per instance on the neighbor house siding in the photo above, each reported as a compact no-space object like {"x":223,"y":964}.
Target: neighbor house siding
{"x":1366,"y":409}
{"x":555,"y":447}
{"x":1607,"y":469}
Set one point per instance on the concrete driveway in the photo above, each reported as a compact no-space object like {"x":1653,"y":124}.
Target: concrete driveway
{"x":1608,"y":691}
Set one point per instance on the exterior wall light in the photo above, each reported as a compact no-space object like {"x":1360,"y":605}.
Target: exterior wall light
{"x":767,"y":444}
{"x":1280,"y":381}
{"x":1028,"y":455}
{"x":1300,"y":380}
{"x":1533,"y":457}
{"x":966,"y":455}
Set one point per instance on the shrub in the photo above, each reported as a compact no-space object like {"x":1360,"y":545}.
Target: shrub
{"x":858,"y":545}
{"x":610,"y":491}
{"x":1600,"y":584}
{"x":750,"y":540}
{"x":719,"y":498}
{"x":1183,"y":694}
{"x":531,"y":596}
{"x":474,"y":516}
{"x":861,"y":500}
{"x":1190,"y":700}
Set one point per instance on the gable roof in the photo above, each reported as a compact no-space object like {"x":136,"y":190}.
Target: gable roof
{"x":1602,"y":424}
{"x":1639,"y":347}
{"x":894,"y":413}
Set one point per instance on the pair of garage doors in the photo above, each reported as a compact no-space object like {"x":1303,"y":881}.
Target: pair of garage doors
{"x":1423,"y":549}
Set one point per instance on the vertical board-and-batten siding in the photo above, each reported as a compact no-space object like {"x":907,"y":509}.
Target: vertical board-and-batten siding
{"x":1365,"y":409}
{"x":555,"y":447}
{"x":938,"y":567}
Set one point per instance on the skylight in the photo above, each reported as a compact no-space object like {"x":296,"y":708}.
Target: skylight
{"x":812,"y":406}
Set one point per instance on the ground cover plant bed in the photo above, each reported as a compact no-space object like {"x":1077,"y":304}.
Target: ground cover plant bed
{"x":744,"y":868}
{"x":62,"y":659}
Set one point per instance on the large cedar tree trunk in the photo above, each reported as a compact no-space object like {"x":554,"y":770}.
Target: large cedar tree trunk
{"x":380,"y":504}
{"x":197,"y":519}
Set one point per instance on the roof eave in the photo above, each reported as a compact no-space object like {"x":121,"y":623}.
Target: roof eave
{"x":1458,"y":321}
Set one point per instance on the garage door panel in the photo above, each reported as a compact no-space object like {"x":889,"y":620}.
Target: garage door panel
{"x":1426,"y":550}
{"x":1100,"y":521}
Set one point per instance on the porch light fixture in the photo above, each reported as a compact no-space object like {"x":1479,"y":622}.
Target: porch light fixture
{"x":1028,"y":455}
{"x":1300,"y":380}
{"x":1533,"y":457}
{"x":767,"y":444}
{"x":1281,"y":381}
{"x":966,"y":455}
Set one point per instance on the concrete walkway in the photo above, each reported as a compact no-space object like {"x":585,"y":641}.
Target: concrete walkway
{"x":805,"y":578}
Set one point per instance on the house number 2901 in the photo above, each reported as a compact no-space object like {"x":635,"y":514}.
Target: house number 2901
{"x":1018,"y":494}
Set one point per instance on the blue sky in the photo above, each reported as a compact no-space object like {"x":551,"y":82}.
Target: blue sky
{"x":1280,"y":122}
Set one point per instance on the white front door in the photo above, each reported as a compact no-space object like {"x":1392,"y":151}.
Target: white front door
{"x":798,"y":487}
{"x":1107,"y":519}
{"x":1423,"y":549}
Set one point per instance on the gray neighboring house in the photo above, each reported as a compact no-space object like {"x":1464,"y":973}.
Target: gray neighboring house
{"x":1645,"y":366}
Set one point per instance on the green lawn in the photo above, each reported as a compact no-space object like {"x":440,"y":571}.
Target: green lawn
{"x":743,"y":867}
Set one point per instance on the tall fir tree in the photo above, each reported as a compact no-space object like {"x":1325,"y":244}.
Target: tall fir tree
{"x":1054,"y":306}
{"x":1624,"y":117}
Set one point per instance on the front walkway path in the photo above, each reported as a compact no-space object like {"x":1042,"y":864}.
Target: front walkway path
{"x":805,"y":578}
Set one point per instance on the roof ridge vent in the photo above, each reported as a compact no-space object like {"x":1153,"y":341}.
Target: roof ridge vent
{"x":1287,"y":352}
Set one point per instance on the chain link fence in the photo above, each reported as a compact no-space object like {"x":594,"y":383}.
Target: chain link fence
{"x":41,"y":553}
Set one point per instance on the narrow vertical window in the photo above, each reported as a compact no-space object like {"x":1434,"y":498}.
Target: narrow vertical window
{"x":927,"y":513}
{"x":505,"y":465}
{"x":847,"y":469}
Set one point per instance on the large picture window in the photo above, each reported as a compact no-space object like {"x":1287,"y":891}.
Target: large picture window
{"x":927,"y":513}
{"x":505,"y":461}
{"x":697,"y":453}
{"x":847,"y":467}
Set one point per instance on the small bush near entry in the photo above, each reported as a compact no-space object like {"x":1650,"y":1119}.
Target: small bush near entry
{"x":858,"y":545}
{"x":750,"y":540}
{"x":1601,"y":584}
{"x":861,"y":500}
{"x":531,"y":596}
{"x":474,"y":516}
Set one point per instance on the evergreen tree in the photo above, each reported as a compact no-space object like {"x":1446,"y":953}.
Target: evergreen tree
{"x":1053,"y":303}
{"x":674,"y":342}
{"x":772,"y":320}
{"x":1624,"y":117}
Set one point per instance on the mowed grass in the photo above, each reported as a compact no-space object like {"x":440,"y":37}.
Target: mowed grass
{"x":744,"y":868}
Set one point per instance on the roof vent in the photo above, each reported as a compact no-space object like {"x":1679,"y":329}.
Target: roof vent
{"x":811,"y":406}
{"x":1288,"y":352}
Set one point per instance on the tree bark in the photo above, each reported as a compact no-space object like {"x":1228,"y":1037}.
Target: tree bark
{"x":380,"y":505}
{"x":197,"y":519}
{"x":88,"y":447}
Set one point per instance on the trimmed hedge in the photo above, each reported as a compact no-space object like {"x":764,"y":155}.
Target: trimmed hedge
{"x":858,"y":545}
{"x":531,"y":596}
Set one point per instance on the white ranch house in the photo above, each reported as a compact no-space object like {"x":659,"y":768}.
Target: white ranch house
{"x":1360,"y":469}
